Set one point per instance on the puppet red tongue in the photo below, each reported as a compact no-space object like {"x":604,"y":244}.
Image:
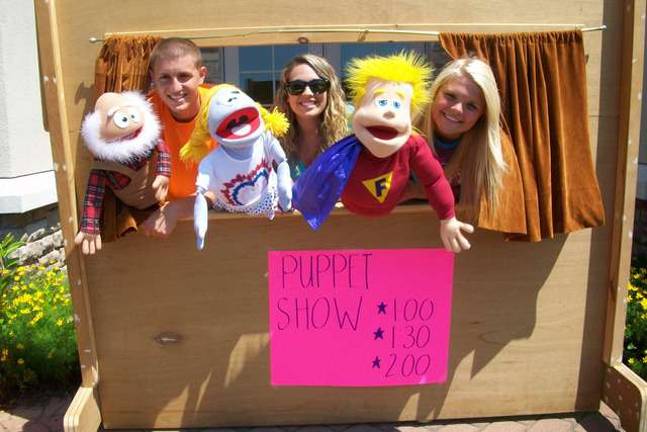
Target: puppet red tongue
{"x":130,"y":135}
{"x":382,"y":132}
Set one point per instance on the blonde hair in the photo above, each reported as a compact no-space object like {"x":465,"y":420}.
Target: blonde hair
{"x":333,"y":125}
{"x":405,"y":67}
{"x":479,"y":156}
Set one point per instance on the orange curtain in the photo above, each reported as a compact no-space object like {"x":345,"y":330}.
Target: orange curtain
{"x":122,"y":65}
{"x":542,"y":82}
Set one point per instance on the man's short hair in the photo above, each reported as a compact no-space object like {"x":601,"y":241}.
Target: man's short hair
{"x":172,"y":48}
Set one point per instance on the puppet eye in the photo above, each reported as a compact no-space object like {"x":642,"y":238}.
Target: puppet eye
{"x":396,"y":104}
{"x":382,"y":102}
{"x":121,"y":119}
{"x":135,"y":117}
{"x":228,"y":98}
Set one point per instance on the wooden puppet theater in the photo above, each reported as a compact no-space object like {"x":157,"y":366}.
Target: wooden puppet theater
{"x":171,"y":337}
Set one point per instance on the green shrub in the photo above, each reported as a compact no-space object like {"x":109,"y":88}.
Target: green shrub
{"x":635,"y":347}
{"x":37,"y":340}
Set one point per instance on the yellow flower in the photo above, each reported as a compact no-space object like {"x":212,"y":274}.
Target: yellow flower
{"x":60,"y":322}
{"x":21,"y":361}
{"x":20,"y":346}
{"x":631,"y":361}
{"x":643,"y":303}
{"x":36,"y":318}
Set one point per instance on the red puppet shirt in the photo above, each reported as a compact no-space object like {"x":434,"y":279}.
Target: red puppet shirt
{"x":377,"y":185}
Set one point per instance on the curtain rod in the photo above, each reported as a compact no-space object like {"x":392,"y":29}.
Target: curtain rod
{"x":361,"y":37}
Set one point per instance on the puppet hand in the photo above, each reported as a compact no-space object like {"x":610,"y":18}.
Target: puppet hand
{"x":285,"y":199}
{"x":200,"y":219}
{"x":451,"y":235}
{"x":160,"y":186}
{"x":90,"y":243}
{"x":284,"y":186}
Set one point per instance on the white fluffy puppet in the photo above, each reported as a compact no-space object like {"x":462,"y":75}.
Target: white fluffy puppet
{"x":248,"y":171}
{"x":123,"y":135}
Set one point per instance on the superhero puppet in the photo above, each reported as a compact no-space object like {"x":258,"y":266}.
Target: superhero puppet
{"x":371,"y":168}
{"x":123,"y":135}
{"x":240,"y":171}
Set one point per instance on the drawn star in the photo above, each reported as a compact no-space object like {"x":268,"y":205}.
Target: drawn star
{"x":381,"y":308}
{"x":376,"y":363}
{"x":378,"y":334}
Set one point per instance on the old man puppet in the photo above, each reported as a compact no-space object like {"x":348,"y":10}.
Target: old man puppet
{"x":123,"y":135}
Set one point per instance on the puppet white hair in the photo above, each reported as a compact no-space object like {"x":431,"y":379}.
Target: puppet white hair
{"x":123,"y":150}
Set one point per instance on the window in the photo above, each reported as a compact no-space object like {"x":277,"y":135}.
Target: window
{"x":257,"y":69}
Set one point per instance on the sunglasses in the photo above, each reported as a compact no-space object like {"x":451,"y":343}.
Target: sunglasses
{"x":316,"y":86}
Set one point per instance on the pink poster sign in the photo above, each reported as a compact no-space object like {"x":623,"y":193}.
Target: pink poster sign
{"x":351,"y":318}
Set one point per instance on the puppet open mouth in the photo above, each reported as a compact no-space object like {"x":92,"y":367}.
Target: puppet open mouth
{"x":239,"y":124}
{"x":382,"y":132}
{"x":130,"y":136}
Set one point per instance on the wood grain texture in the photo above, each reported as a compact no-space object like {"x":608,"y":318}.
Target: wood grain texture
{"x":83,"y":414}
{"x":528,"y":322}
{"x":508,"y":327}
{"x":630,"y":104}
{"x":52,"y":77}
{"x":626,"y":394}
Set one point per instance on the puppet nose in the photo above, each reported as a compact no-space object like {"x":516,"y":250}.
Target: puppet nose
{"x":388,"y":114}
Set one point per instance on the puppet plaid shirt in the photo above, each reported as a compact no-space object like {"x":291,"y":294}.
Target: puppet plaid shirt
{"x":93,"y":203}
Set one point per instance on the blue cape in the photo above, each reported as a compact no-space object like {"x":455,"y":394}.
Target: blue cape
{"x":318,"y":188}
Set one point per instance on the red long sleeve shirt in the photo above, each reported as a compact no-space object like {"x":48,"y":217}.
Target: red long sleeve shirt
{"x":377,"y":185}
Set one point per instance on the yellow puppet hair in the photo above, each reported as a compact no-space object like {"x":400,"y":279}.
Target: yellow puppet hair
{"x":405,"y":67}
{"x":198,"y":145}
{"x":275,"y":121}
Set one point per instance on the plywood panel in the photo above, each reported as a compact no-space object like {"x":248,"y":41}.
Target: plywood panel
{"x":53,"y":86}
{"x":83,"y":413}
{"x":508,"y":328}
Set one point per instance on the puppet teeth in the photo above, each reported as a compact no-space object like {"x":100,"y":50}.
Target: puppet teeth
{"x":241,"y":130}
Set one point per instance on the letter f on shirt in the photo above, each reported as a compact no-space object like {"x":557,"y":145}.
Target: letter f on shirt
{"x":379,"y":187}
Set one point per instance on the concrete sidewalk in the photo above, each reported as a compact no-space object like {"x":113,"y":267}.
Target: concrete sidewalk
{"x":46,"y":414}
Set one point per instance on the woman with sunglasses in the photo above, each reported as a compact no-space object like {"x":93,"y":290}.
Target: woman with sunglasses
{"x":311,"y":96}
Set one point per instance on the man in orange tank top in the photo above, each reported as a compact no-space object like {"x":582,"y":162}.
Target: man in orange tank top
{"x":177,"y":74}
